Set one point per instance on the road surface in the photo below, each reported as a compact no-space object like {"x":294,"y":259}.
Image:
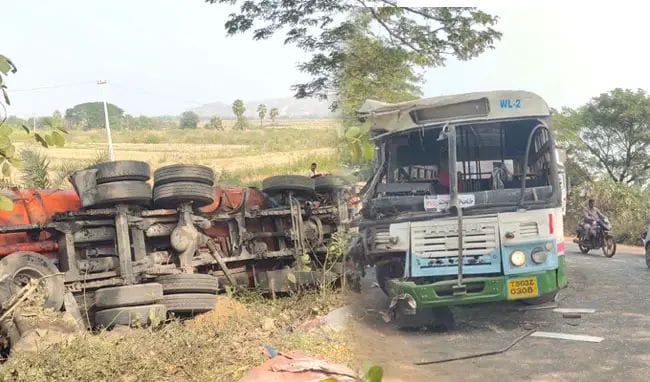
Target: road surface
{"x":616,"y":287}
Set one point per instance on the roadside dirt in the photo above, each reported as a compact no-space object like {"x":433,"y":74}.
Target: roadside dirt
{"x":622,"y":317}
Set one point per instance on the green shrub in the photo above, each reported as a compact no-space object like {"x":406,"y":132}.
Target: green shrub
{"x":626,"y":206}
{"x":152,"y":139}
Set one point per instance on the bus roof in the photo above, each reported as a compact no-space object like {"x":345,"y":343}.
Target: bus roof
{"x":490,"y":105}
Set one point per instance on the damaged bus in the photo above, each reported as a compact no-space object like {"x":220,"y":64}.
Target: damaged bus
{"x":466,"y":201}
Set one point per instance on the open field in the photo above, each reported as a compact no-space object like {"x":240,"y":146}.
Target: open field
{"x":238,"y":157}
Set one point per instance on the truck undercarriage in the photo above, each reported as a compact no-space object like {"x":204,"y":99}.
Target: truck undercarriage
{"x":123,"y":250}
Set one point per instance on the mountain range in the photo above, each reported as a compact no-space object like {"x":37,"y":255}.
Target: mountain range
{"x":288,"y":107}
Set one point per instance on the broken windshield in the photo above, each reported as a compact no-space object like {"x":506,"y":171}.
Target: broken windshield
{"x":491,"y":163}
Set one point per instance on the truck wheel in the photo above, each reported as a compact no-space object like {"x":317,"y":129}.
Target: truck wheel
{"x":128,"y":295}
{"x":288,"y":183}
{"x":20,"y":268}
{"x":183,"y":173}
{"x":131,"y":315}
{"x":189,"y":302}
{"x":125,"y":192}
{"x":328,"y":183}
{"x":188,"y":283}
{"x":121,"y":170}
{"x":172,"y":194}
{"x":543,"y":299}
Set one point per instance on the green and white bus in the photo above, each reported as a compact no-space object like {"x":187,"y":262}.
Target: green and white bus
{"x":466,"y":201}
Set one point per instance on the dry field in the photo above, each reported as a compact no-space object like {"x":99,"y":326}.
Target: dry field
{"x":238,"y":157}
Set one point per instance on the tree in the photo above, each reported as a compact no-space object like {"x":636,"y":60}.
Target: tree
{"x":273,"y":114}
{"x":189,"y":120}
{"x":239,"y":109}
{"x":610,"y":135}
{"x":8,"y":156}
{"x":215,"y":123}
{"x":261,"y":112}
{"x":90,"y":115}
{"x":423,"y":37}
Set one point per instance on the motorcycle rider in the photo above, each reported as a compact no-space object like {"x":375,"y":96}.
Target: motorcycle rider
{"x":591,"y":217}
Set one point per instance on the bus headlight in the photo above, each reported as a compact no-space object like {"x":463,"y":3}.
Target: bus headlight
{"x":539,"y":255}
{"x":518,"y":258}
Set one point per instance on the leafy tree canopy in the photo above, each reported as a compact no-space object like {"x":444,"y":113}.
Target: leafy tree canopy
{"x":189,"y":120}
{"x":90,"y":115}
{"x":610,"y":135}
{"x":423,"y":37}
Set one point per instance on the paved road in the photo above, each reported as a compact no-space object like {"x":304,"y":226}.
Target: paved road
{"x":616,"y":287}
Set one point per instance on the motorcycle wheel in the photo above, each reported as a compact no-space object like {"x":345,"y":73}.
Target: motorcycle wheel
{"x":584,"y":250}
{"x":609,"y":246}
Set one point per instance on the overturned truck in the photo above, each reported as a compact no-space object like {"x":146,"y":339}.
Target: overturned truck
{"x":129,"y":251}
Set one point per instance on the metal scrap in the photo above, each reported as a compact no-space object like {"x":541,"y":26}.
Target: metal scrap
{"x":564,"y":336}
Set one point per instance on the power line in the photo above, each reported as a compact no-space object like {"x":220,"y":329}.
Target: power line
{"x":73,"y":84}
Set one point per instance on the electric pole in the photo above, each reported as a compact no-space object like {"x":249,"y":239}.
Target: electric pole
{"x":111,"y":153}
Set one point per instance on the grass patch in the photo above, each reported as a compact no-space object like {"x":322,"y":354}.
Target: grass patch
{"x":217,"y":346}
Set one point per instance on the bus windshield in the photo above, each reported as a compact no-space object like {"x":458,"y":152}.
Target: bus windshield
{"x":491,"y":164}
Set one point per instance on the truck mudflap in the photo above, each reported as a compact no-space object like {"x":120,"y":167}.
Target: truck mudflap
{"x":478,"y":289}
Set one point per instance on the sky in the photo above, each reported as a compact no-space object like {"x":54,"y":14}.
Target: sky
{"x":161,"y":57}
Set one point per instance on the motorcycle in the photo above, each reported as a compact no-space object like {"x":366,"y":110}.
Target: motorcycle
{"x":603,"y":239}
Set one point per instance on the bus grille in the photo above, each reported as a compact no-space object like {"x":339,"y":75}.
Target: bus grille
{"x":438,"y":241}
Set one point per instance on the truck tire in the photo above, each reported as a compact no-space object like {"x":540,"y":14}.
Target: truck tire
{"x":128,"y":295}
{"x":19,"y":268}
{"x":172,"y":194}
{"x":328,"y":183}
{"x":130,"y":315}
{"x":116,"y":171}
{"x":189,"y":302}
{"x":183,"y":173}
{"x":288,"y":182}
{"x":125,"y":192}
{"x":188,"y":283}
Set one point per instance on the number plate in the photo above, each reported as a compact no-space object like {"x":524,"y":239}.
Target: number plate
{"x":522,"y":287}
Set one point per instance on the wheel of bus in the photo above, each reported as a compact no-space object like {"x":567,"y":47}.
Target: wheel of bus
{"x":609,"y":246}
{"x":543,"y":299}
{"x":388,"y":270}
{"x":435,"y":319}
{"x":19,"y":269}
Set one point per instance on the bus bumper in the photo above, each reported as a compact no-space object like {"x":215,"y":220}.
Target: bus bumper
{"x":478,"y":289}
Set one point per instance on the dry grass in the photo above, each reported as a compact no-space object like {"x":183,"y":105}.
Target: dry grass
{"x":246,"y":157}
{"x":217,"y":346}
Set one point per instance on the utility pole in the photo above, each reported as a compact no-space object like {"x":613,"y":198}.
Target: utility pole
{"x":111,"y":153}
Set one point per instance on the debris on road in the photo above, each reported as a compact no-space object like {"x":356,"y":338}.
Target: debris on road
{"x":571,"y":315}
{"x":298,"y":367}
{"x":574,"y":310}
{"x":495,"y":352}
{"x":564,"y":336}
{"x":538,"y":307}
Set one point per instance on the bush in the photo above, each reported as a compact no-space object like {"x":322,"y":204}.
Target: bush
{"x":625,"y":205}
{"x":152,"y":139}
